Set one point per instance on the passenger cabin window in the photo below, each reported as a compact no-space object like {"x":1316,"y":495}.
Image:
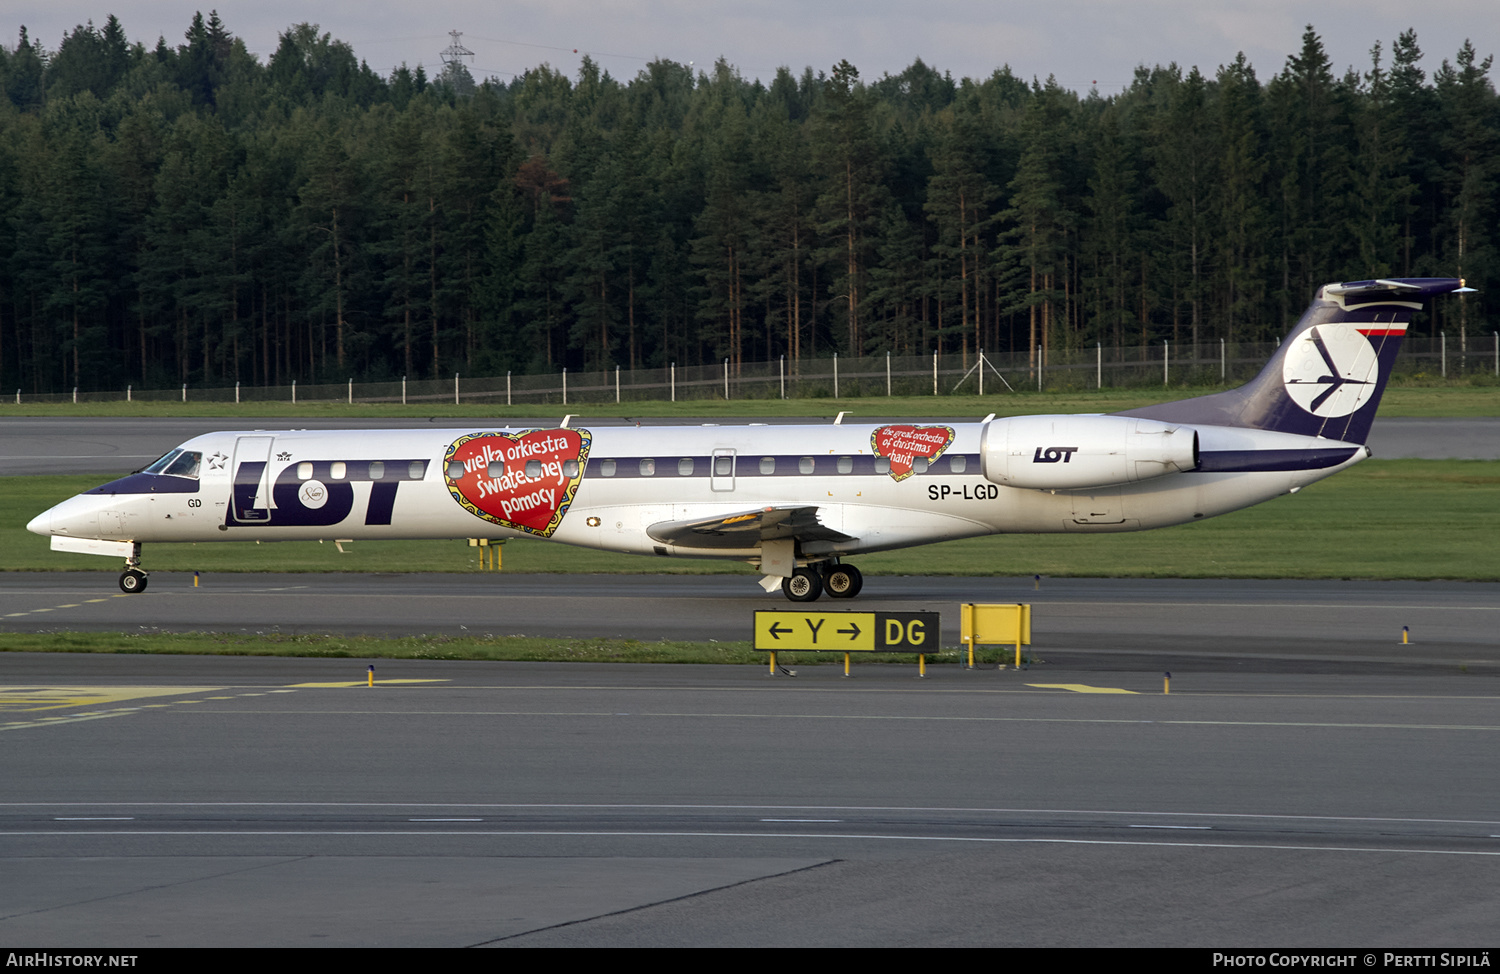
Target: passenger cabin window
{"x":648,"y":467}
{"x":377,"y":469}
{"x":723,"y":466}
{"x":304,"y":470}
{"x":495,"y":469}
{"x":455,"y":469}
{"x":918,"y":464}
{"x":685,"y":467}
{"x":806,"y":465}
{"x":533,"y":468}
{"x":958,"y":463}
{"x":846,"y":465}
{"x":337,"y":469}
{"x":767,"y":466}
{"x":882,"y":464}
{"x":570,"y":469}
{"x":416,"y":469}
{"x":606,"y":468}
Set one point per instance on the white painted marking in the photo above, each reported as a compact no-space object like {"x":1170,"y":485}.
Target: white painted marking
{"x":897,"y":719}
{"x":966,"y":810}
{"x":1203,"y":827}
{"x":445,"y":820}
{"x":94,"y":818}
{"x":83,"y":456}
{"x":781,"y":836}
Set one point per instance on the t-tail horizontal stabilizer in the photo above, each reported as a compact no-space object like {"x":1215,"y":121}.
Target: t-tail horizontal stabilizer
{"x":1326,"y":379}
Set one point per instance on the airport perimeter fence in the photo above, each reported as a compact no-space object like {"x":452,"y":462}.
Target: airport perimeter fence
{"x":1181,"y":366}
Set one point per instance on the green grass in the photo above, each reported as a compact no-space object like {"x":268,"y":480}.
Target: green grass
{"x":1407,"y":397}
{"x":1383,"y":519}
{"x":498,"y":648}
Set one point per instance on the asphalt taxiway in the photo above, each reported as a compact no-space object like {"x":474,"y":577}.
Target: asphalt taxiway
{"x":149,"y":801}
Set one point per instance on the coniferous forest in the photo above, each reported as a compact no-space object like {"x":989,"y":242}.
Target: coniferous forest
{"x":186,"y":213}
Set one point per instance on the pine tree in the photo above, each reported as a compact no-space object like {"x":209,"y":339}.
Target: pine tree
{"x":850,"y":166}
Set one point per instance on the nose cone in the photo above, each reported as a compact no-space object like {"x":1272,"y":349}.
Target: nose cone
{"x":41,"y":524}
{"x":76,"y":517}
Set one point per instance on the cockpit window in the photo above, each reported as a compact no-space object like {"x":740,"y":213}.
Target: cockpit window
{"x":159,"y":465}
{"x":178,"y":463}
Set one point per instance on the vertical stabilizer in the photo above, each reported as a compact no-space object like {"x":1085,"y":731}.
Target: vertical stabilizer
{"x":1326,"y":379}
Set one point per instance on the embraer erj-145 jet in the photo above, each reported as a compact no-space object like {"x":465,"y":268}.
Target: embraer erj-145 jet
{"x":794,"y":501}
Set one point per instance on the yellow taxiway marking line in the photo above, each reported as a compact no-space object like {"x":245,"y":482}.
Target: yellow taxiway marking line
{"x":71,"y":605}
{"x":32,"y":698}
{"x":23,"y":699}
{"x":1077,"y":688}
{"x":359,"y":683}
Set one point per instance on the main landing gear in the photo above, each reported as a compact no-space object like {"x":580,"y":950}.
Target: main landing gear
{"x":838,"y":580}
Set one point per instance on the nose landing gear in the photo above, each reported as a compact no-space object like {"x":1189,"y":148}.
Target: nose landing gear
{"x":132,"y":579}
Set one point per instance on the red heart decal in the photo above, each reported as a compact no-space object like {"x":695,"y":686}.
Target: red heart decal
{"x":903,"y":444}
{"x":523,"y":481}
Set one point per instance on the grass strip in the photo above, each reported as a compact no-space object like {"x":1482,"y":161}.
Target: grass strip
{"x":1411,"y":398}
{"x":498,"y":648}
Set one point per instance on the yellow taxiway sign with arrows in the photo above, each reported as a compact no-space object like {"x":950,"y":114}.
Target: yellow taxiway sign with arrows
{"x":848,"y":632}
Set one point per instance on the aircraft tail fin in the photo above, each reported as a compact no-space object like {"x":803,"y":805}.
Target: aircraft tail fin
{"x":1326,"y":379}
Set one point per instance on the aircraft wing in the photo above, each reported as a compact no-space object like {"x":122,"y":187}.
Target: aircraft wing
{"x":746,"y":529}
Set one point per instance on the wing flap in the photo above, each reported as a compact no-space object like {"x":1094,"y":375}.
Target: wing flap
{"x":746,"y":529}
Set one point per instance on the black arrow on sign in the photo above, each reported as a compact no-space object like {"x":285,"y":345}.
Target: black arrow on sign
{"x":776,"y":631}
{"x":853,"y":631}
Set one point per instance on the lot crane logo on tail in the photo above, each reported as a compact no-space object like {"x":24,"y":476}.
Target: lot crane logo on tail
{"x":524,"y":481}
{"x":1331,"y":370}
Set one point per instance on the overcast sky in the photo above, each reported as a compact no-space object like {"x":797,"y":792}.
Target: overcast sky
{"x":1082,"y":42}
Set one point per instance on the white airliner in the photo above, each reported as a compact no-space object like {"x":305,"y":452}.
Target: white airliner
{"x":794,"y":501}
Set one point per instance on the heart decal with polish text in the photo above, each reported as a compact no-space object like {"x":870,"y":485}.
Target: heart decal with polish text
{"x":524,"y":481}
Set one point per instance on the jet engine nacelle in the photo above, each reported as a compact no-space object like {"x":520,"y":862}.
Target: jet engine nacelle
{"x":1081,"y":452}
